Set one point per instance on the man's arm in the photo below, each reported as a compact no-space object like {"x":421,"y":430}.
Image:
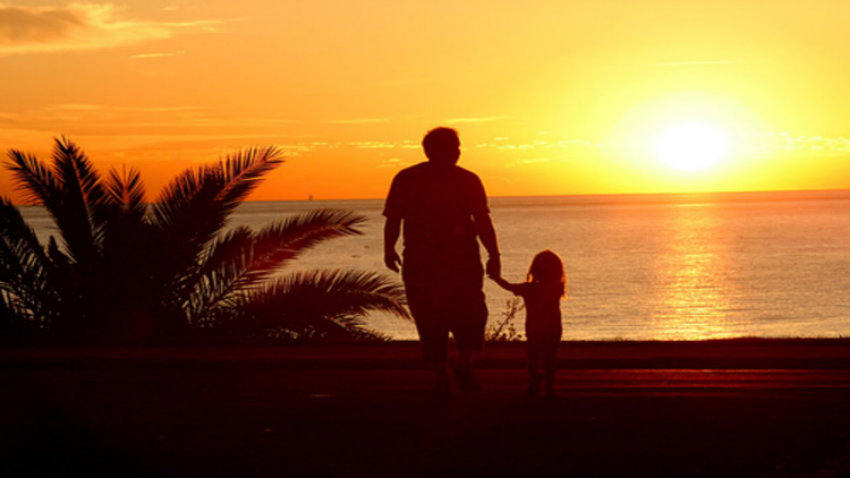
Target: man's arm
{"x":392,"y":228}
{"x":487,"y":233}
{"x":508,"y":286}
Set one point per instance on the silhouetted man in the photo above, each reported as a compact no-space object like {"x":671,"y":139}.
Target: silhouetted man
{"x":444,"y":211}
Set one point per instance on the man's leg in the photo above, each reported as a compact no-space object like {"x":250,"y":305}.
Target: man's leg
{"x":465,"y":372}
{"x":469,"y":319}
{"x":433,"y":334}
{"x":434,"y":339}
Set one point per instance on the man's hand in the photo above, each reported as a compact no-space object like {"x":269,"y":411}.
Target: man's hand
{"x":392,"y":260}
{"x":392,"y":228}
{"x":487,"y":234}
{"x":494,"y":266}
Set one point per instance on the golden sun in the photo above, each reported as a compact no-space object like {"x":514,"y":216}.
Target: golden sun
{"x":691,"y":146}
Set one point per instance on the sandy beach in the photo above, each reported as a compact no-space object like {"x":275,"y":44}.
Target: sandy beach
{"x":752,"y":407}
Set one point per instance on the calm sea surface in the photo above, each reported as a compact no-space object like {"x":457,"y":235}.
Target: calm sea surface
{"x":644,"y":267}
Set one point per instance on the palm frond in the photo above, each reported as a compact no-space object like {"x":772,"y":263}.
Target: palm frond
{"x":25,"y":267}
{"x":129,"y":245}
{"x":84,"y":208}
{"x":187,"y":189}
{"x":126,"y":189}
{"x":286,"y":240}
{"x":186,"y":217}
{"x":65,"y":280}
{"x":18,"y":234}
{"x":167,"y":266}
{"x":221,"y":274}
{"x":217,"y":189}
{"x":77,"y":174}
{"x":214,"y":293}
{"x":59,"y":259}
{"x":246,"y":258}
{"x":193,"y":209}
{"x":235,"y":244}
{"x":34,"y":179}
{"x":241,"y":259}
{"x":241,"y":172}
{"x":15,"y":322}
{"x":327,"y":301}
{"x":71,"y":192}
{"x":304,"y":230}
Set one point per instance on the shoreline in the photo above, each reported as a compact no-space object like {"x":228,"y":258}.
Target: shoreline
{"x":750,"y":353}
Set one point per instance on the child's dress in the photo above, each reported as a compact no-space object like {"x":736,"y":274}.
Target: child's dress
{"x":543,"y":315}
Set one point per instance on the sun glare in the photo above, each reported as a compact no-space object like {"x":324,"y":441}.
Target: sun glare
{"x":691,"y":146}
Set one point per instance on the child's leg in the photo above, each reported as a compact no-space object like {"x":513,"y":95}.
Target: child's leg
{"x":533,"y":370}
{"x":549,"y":364}
{"x":533,"y":355}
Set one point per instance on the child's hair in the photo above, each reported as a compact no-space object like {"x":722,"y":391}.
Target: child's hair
{"x":547,"y":266}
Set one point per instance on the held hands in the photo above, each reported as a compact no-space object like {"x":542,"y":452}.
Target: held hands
{"x":502,"y":283}
{"x":392,"y":260}
{"x":494,"y":267}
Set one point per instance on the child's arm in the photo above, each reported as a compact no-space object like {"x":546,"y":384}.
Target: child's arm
{"x":510,"y":287}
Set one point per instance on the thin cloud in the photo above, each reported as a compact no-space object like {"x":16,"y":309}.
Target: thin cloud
{"x":295,"y":150}
{"x":151,"y":120}
{"x":391,"y":163}
{"x":672,"y":64}
{"x":83,"y":107}
{"x":778,"y":143}
{"x":535,"y":160}
{"x":145,"y":56}
{"x":538,"y":145}
{"x":76,"y":107}
{"x":372,"y":145}
{"x":26,"y":30}
{"x":157,"y":109}
{"x":693,"y":63}
{"x":485,"y":119}
{"x":361,"y":120}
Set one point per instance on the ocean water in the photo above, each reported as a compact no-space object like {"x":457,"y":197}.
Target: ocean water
{"x":639,"y":267}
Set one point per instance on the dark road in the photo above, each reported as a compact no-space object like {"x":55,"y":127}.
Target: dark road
{"x":141,"y":413}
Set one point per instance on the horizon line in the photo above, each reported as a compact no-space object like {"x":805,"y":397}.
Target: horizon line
{"x":660,"y":193}
{"x":845,"y":194}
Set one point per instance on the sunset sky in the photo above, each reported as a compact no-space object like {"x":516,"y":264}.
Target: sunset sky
{"x":550,"y":97}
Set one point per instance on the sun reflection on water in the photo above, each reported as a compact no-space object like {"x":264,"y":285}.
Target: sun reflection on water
{"x":692,"y":292}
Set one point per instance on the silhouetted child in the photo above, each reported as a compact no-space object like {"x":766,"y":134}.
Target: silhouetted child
{"x":542,"y":292}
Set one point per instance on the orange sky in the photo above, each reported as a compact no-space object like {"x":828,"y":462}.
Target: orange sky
{"x":550,"y":97}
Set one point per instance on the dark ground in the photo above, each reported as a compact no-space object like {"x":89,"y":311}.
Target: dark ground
{"x":739,"y":408}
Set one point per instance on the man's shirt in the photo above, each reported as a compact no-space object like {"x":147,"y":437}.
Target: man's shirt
{"x":436,"y":205}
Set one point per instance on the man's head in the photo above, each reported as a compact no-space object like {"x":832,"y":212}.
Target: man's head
{"x":442,"y":146}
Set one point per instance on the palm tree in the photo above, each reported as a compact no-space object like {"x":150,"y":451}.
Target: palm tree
{"x":127,"y":271}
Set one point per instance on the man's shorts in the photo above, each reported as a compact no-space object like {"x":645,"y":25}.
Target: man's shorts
{"x":443,"y":306}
